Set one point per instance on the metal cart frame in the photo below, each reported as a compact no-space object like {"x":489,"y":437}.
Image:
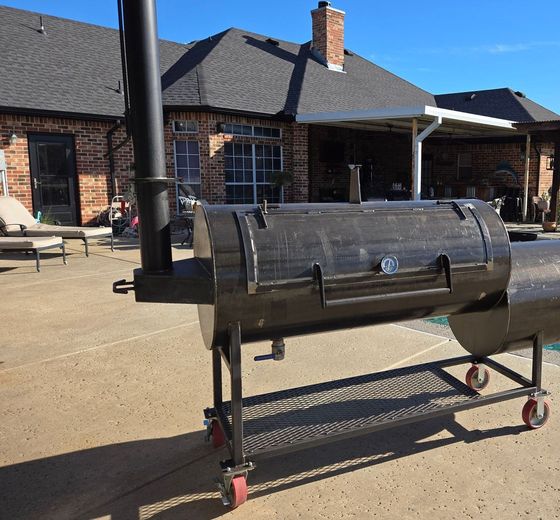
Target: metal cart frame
{"x":228,"y":416}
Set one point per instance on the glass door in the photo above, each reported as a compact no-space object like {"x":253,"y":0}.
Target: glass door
{"x":53,"y":177}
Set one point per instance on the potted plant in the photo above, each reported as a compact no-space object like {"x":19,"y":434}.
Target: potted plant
{"x":281,"y":179}
{"x":548,"y":224}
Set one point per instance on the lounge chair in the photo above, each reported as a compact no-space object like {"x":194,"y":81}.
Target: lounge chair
{"x":34,"y":245}
{"x":15,"y":220}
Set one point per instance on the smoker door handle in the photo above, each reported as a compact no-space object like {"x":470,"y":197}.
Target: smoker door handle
{"x":445,"y":264}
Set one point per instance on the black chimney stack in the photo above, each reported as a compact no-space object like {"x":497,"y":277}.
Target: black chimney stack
{"x":146,"y":122}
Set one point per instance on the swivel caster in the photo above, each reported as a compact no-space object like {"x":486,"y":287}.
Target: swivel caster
{"x":476,"y":378}
{"x":238,"y":491}
{"x":531,"y":416}
{"x":217,"y":434}
{"x":214,"y":431}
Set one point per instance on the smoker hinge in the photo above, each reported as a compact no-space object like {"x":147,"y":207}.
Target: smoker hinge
{"x":260,"y":213}
{"x":122,"y":286}
{"x":456,"y":206}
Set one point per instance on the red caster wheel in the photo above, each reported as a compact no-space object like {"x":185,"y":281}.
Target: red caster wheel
{"x":218,"y":437}
{"x":472,"y":378}
{"x":238,"y":491}
{"x":530,"y":417}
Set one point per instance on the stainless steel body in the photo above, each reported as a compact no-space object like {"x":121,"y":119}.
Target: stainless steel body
{"x":304,"y":268}
{"x":530,"y":305}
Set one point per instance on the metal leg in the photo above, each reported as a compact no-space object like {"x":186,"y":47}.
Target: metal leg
{"x":217,"y":376}
{"x":86,"y":246}
{"x":537,"y":373}
{"x":537,"y":360}
{"x":236,"y":393}
{"x":112,"y":244}
{"x":63,"y":247}
{"x":37,"y":260}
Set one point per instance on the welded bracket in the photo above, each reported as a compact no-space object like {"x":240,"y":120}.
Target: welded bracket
{"x":122,"y":286}
{"x":229,"y":472}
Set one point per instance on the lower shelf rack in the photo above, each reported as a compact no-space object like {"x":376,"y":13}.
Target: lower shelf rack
{"x":317,"y":413}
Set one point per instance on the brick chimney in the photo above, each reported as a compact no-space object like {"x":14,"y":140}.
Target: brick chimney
{"x":328,"y":35}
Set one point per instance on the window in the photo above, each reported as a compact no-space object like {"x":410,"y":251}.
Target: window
{"x":249,"y":169}
{"x":185,"y":127}
{"x":464,"y":166}
{"x":252,"y":131}
{"x":187,"y":169}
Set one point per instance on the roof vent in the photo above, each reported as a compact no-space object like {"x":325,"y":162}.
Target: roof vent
{"x":470,"y":97}
{"x":273,"y":42}
{"x":41,"y":29}
{"x":323,"y":4}
{"x":518,"y":93}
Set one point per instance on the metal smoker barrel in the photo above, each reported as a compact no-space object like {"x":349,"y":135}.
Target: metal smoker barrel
{"x":307,"y":268}
{"x":530,"y":305}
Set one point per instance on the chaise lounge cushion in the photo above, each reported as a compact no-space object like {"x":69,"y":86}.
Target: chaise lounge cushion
{"x":41,"y":230}
{"x":13,"y":215}
{"x":29,"y":243}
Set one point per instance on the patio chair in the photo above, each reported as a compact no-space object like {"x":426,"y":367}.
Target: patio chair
{"x":32,"y":245}
{"x":15,"y":220}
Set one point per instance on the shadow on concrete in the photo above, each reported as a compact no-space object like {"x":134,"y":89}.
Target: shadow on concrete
{"x":173,"y":477}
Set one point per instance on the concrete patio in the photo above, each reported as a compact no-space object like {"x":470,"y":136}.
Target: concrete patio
{"x":102,"y":402}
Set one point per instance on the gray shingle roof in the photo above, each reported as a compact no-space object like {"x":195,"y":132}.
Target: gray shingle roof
{"x":243,"y":71}
{"x":74,"y":68}
{"x":503,"y":103}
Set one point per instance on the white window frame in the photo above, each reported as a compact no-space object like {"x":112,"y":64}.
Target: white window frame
{"x":254,"y":171}
{"x":175,"y":166}
{"x":185,"y":131}
{"x":252,"y":134}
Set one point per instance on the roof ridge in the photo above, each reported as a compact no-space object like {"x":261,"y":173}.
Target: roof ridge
{"x":79,"y":22}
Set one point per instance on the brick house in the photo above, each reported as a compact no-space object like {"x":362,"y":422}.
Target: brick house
{"x":230,"y":107}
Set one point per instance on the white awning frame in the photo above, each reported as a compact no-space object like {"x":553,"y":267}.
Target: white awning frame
{"x":435,"y":121}
{"x":407,"y":113}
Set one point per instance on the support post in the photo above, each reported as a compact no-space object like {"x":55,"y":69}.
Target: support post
{"x":555,"y":183}
{"x":413,"y":163}
{"x":417,"y":185}
{"x":236,"y":393}
{"x":526,"y":178}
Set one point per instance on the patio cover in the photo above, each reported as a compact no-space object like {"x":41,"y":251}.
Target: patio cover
{"x":420,"y":122}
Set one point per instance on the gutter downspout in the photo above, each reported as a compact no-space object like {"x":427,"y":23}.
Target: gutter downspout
{"x":526,"y":179}
{"x":111,"y":156}
{"x":417,"y":187}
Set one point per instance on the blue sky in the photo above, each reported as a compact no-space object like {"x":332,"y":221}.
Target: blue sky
{"x":440,"y":45}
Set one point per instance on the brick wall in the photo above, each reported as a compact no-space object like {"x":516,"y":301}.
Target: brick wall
{"x":92,"y":168}
{"x":545,"y":176}
{"x":328,"y":34}
{"x":211,"y":145}
{"x":385,"y":158}
{"x":486,"y":159}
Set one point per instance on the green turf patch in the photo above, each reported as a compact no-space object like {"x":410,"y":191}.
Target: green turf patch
{"x":439,"y":321}
{"x":442,"y":321}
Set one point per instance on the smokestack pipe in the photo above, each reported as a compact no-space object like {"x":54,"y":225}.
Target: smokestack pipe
{"x":146,"y":121}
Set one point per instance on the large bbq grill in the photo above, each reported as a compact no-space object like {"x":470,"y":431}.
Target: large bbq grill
{"x":270,"y":272}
